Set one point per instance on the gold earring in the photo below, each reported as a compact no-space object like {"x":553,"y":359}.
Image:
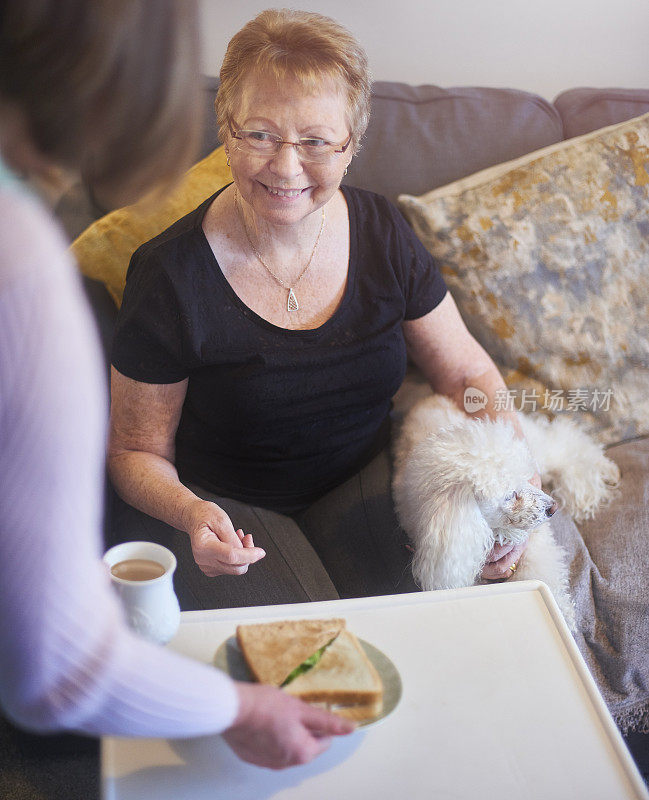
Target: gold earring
{"x":345,"y":172}
{"x":227,"y":160}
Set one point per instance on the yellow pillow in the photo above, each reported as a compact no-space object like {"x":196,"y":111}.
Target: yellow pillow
{"x":104,"y":249}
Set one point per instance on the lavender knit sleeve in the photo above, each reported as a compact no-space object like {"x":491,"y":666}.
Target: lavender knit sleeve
{"x":67,"y":661}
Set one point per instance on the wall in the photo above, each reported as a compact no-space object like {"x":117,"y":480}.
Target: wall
{"x":539,"y":45}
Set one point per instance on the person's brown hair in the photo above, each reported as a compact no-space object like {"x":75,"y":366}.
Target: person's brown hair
{"x":302,"y":45}
{"x":108,"y":87}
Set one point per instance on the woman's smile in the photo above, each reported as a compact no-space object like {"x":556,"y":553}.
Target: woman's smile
{"x":281,"y":188}
{"x":289,"y":194}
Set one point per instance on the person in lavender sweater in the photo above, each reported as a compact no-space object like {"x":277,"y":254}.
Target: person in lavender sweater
{"x":98,"y":86}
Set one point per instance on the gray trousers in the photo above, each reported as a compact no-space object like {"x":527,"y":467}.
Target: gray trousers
{"x":347,"y":544}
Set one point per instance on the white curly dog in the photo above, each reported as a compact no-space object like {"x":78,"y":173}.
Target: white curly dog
{"x":461,"y":485}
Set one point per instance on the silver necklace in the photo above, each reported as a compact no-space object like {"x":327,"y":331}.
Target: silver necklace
{"x":291,"y":301}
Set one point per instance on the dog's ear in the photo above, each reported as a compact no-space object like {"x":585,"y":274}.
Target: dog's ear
{"x":452,"y":539}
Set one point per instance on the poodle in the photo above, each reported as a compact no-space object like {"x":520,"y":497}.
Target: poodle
{"x":461,"y":485}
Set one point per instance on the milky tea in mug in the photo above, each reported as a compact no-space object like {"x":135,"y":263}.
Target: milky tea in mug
{"x":137,"y":569}
{"x":142,"y":575}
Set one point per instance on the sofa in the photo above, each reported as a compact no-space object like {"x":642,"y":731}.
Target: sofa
{"x":455,"y":160}
{"x":562,"y":331}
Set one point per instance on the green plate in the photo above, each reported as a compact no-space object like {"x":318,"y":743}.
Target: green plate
{"x":229,"y":658}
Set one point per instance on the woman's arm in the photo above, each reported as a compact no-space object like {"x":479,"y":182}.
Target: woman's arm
{"x":67,"y":659}
{"x":143,"y":423}
{"x":452,"y":361}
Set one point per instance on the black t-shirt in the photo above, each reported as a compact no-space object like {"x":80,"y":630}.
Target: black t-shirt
{"x":272,"y":416}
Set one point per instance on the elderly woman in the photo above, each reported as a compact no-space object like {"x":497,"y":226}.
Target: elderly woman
{"x":263,"y":335}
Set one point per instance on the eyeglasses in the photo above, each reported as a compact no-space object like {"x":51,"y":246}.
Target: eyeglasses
{"x":308,"y":148}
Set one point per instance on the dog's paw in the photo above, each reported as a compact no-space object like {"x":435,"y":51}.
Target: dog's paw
{"x":582,"y":493}
{"x":579,"y":474}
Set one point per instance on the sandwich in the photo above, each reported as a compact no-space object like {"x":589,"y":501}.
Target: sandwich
{"x":318,"y":661}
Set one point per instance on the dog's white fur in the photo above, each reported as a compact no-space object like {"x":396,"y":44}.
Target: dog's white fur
{"x":461,"y":484}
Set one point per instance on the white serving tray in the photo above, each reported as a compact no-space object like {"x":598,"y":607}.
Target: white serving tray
{"x":497,"y":704}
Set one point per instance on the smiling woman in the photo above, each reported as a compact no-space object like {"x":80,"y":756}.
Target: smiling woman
{"x":283,"y":185}
{"x":262,"y":337}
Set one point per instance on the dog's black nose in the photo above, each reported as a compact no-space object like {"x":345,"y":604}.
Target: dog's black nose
{"x":551,"y":509}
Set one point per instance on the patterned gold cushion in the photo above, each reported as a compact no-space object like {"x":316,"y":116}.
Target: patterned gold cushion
{"x":547,"y":258}
{"x":103,"y":250}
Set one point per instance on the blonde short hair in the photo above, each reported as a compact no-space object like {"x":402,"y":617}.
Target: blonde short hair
{"x":303,"y":45}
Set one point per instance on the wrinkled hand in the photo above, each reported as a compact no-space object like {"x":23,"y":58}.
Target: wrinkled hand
{"x":500,"y":559}
{"x":217,"y":548}
{"x":276,"y":730}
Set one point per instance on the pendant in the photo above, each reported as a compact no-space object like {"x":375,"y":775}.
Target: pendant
{"x":291,"y":303}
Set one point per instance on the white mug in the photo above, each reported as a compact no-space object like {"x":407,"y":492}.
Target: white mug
{"x":151,"y":606}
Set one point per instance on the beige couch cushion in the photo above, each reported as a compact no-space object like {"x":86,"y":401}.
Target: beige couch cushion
{"x":420,"y":137}
{"x":584,"y":109}
{"x":548,"y":259}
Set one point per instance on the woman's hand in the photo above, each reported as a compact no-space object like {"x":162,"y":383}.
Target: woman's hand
{"x":500,"y":560}
{"x":217,"y":548}
{"x":276,"y":730}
